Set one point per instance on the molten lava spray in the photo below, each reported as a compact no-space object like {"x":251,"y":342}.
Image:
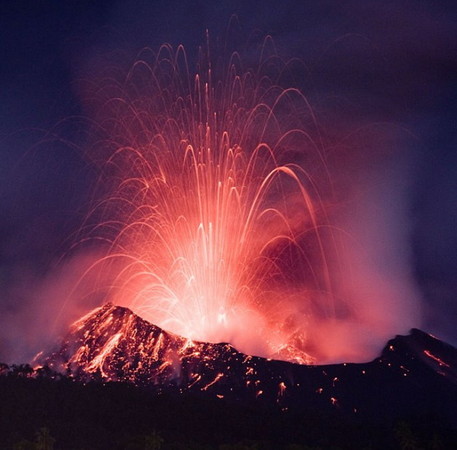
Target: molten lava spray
{"x":216,"y":202}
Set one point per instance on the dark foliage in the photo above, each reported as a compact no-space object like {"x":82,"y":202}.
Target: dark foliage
{"x":44,"y":410}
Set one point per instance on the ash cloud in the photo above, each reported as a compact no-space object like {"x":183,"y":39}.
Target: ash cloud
{"x":38,"y":310}
{"x":374,"y":274}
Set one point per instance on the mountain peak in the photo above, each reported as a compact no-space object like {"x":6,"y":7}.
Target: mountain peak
{"x":118,"y":345}
{"x":419,"y":346}
{"x":114,"y":344}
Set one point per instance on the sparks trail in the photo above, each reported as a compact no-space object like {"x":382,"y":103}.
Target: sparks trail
{"x":215,"y":201}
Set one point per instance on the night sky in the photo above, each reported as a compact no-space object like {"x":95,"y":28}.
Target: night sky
{"x":392,"y":63}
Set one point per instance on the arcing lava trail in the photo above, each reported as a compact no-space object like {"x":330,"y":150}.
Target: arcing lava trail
{"x":414,"y":372}
{"x":215,"y":202}
{"x":218,"y":206}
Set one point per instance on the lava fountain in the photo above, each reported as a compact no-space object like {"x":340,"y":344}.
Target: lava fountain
{"x":215,"y":200}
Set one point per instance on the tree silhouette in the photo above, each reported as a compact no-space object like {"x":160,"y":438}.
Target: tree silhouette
{"x":405,"y":437}
{"x":153,"y":441}
{"x":22,"y":370}
{"x":44,"y":440}
{"x":4,"y":368}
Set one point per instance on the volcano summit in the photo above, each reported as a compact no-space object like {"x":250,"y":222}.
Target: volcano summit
{"x":413,"y":373}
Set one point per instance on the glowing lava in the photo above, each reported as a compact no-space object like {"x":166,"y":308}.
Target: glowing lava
{"x":214,"y":212}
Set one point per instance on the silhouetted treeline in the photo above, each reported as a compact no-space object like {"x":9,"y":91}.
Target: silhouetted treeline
{"x":41,"y":409}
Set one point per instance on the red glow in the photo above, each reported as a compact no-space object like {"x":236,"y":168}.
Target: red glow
{"x":435,"y":358}
{"x":218,"y":210}
{"x":212,"y":223}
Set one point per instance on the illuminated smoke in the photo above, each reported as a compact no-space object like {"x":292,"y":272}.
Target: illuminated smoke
{"x":217,"y":210}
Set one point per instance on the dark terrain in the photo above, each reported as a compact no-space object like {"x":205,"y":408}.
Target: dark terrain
{"x":117,"y":381}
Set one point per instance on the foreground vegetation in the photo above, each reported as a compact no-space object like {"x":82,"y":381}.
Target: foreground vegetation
{"x":44,"y":410}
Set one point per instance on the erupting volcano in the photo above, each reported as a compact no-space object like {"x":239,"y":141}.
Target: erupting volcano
{"x":216,"y":201}
{"x":231,"y":238}
{"x":113,"y":344}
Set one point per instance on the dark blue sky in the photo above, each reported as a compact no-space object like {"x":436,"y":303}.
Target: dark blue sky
{"x":391,"y":61}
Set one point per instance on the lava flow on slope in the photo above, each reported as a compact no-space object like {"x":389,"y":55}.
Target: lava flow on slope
{"x":111,"y":343}
{"x":117,"y":345}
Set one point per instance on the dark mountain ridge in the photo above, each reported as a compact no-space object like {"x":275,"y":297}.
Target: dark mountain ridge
{"x":416,"y":373}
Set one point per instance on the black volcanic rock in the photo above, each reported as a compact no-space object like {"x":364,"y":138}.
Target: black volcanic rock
{"x":425,"y":352}
{"x":113,"y":343}
{"x":414,"y":374}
